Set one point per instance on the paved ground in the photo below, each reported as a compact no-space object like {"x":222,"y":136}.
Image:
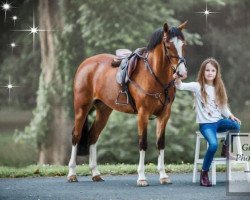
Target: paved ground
{"x":114,"y":187}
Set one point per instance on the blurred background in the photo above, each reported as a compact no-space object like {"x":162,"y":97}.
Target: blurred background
{"x":36,"y":118}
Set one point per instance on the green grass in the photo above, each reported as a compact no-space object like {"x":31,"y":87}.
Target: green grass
{"x":11,"y":153}
{"x":16,"y":154}
{"x":83,"y":170}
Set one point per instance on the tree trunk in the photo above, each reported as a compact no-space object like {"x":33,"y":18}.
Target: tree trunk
{"x":55,"y":147}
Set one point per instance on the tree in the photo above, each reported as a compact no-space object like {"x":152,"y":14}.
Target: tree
{"x":109,"y":25}
{"x":51,"y":125}
{"x":53,"y":143}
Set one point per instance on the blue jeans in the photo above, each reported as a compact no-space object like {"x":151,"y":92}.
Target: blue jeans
{"x":209,"y":130}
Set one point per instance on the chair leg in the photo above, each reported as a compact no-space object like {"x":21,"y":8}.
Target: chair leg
{"x":195,"y":172}
{"x":196,"y":157}
{"x":229,"y":171}
{"x":213,"y":173}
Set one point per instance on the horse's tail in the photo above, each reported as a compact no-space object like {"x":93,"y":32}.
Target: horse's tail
{"x":83,"y":145}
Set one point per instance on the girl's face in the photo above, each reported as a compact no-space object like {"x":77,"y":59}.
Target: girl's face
{"x":210,"y":73}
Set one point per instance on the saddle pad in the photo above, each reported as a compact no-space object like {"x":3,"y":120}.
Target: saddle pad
{"x":122,"y":53}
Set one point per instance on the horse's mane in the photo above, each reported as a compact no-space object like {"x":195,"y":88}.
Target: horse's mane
{"x":157,"y":35}
{"x":155,"y":39}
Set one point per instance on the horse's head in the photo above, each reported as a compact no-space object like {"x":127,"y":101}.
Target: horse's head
{"x":174,"y":43}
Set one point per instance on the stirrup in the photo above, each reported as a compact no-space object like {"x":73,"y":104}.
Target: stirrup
{"x":117,"y":99}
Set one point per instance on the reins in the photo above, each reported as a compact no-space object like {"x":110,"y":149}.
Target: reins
{"x":156,"y":95}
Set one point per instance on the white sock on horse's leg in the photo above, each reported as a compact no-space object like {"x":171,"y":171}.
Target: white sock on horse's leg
{"x":93,"y":160}
{"x":72,"y":162}
{"x":160,"y":166}
{"x":141,"y":167}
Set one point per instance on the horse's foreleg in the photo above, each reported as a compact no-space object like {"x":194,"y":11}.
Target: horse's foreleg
{"x":160,"y":133}
{"x":93,"y":163}
{"x":164,"y":178}
{"x":142,"y":133}
{"x":102,"y":114}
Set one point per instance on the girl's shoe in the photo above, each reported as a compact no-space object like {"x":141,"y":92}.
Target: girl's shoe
{"x":204,"y":179}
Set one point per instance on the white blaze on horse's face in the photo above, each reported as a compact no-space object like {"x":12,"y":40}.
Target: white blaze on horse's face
{"x":178,"y":46}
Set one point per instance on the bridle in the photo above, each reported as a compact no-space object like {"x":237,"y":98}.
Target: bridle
{"x":169,"y":57}
{"x":165,"y":87}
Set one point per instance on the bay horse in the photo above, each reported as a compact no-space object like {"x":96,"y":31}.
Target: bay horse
{"x":151,"y":86}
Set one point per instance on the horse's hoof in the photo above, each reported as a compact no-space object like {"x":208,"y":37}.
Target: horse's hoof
{"x":165,"y":181}
{"x":97,"y":178}
{"x":142,"y":183}
{"x":72,"y":179}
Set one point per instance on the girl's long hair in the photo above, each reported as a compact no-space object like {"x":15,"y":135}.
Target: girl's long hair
{"x":220,"y":91}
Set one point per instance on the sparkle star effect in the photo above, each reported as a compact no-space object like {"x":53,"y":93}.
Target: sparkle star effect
{"x":33,"y":30}
{"x":14,"y":18}
{"x":13,"y":45}
{"x":6,"y":7}
{"x":10,"y":86}
{"x":206,"y":13}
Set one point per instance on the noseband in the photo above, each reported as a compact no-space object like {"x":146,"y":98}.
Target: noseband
{"x":169,"y":57}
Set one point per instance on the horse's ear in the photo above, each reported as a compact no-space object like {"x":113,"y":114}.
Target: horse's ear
{"x":183,"y":25}
{"x":165,"y":27}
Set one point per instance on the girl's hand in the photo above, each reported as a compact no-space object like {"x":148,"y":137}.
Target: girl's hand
{"x":175,"y":76}
{"x":177,"y":79}
{"x":232,"y":117}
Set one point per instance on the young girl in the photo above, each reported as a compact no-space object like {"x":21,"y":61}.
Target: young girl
{"x":212,"y":112}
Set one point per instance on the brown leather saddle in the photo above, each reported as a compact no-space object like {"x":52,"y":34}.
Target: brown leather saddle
{"x":127,"y":66}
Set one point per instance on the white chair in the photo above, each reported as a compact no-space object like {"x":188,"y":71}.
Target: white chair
{"x":216,"y":160}
{"x":198,"y":160}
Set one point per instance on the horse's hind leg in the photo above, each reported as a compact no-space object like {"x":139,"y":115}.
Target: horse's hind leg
{"x":102,"y":114}
{"x":81,"y":113}
{"x":72,"y":165}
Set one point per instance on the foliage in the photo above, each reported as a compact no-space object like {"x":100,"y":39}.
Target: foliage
{"x":234,"y":58}
{"x":177,"y":5}
{"x":119,"y":140}
{"x":60,"y":86}
{"x":15,"y":154}
{"x":71,"y":51}
{"x":224,"y":40}
{"x":38,"y":128}
{"x":23,"y":64}
{"x":114,"y":22}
